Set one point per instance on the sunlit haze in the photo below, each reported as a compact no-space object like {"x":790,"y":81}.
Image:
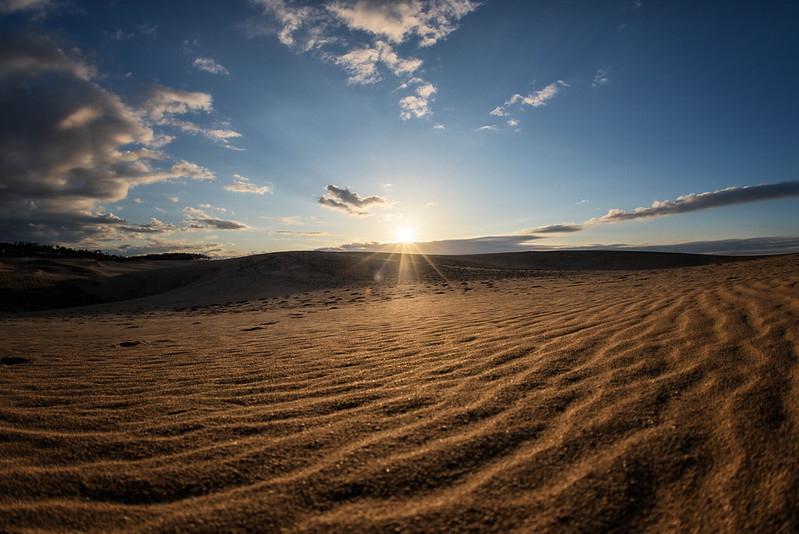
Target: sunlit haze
{"x":230,"y":128}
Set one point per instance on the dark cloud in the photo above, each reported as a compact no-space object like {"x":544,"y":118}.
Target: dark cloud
{"x":153,"y":227}
{"x":342,"y":199}
{"x":702,"y":201}
{"x":197,"y":219}
{"x":553,"y":229}
{"x":67,"y":144}
{"x":727,"y":247}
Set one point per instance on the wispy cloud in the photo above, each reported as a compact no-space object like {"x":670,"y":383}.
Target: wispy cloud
{"x":198,"y":219}
{"x":289,"y":232}
{"x":703,"y":201}
{"x":601,"y":78}
{"x":10,"y":6}
{"x":362,"y":36}
{"x":207,"y":64}
{"x":342,"y":199}
{"x":291,"y":221}
{"x":241,"y":184}
{"x":554,"y":229}
{"x":535,"y":99}
{"x":163,"y":104}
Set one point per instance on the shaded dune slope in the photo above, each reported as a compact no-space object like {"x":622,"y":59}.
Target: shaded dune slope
{"x":607,"y":400}
{"x":215,"y":282}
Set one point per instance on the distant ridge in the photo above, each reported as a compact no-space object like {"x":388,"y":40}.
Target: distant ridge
{"x":267,"y":275}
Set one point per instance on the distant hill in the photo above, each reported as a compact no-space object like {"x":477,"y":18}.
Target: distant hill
{"x":22,"y":249}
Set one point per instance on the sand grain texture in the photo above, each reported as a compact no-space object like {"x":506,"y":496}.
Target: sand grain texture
{"x":561,"y":399}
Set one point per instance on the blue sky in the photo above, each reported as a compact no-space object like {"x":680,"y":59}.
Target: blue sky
{"x":252,"y":126}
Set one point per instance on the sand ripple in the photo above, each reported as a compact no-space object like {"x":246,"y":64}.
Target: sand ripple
{"x":660,"y":400}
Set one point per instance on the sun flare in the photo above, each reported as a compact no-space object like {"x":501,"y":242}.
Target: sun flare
{"x":405,"y":235}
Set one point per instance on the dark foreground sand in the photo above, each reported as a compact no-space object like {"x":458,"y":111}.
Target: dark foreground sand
{"x":294,"y":392}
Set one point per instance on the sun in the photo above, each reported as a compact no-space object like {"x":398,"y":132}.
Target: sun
{"x":404,"y":234}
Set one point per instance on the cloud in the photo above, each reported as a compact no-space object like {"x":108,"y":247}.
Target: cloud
{"x":289,"y":232}
{"x":242,"y":184}
{"x":162,"y":104}
{"x":487,"y":128}
{"x":156,"y":245}
{"x":153,"y":227}
{"x":416,"y":105}
{"x":198,"y":219}
{"x":10,"y":6}
{"x":399,"y":20}
{"x":601,"y":78}
{"x":164,"y":101}
{"x":291,"y":221}
{"x":554,"y":229}
{"x":207,"y":64}
{"x":528,"y":239}
{"x":361,"y":64}
{"x":535,"y":99}
{"x":342,"y":199}
{"x":702,"y":201}
{"x":67,"y":144}
{"x":362,"y":36}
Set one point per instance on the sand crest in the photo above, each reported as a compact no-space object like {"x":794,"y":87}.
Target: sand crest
{"x":302,"y":392}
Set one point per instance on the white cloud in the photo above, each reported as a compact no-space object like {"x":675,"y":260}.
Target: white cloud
{"x":487,"y":128}
{"x":207,"y":64}
{"x":417,"y":105}
{"x":400,"y":20}
{"x":536,"y":99}
{"x":369,"y":31}
{"x":242,"y":184}
{"x":361,"y":64}
{"x":163,"y":103}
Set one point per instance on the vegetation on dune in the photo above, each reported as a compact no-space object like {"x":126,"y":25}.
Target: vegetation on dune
{"x":21,"y":249}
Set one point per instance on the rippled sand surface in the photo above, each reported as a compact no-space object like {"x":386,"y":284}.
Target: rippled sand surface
{"x":660,"y":399}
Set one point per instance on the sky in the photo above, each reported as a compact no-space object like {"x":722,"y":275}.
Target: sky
{"x":247,"y":126}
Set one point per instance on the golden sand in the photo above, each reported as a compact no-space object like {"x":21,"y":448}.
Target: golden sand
{"x":298,"y":393}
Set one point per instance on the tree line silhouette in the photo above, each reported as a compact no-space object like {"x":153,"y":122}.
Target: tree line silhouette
{"x":22,"y":249}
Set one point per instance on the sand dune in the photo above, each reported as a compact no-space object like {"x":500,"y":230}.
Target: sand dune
{"x":302,"y":392}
